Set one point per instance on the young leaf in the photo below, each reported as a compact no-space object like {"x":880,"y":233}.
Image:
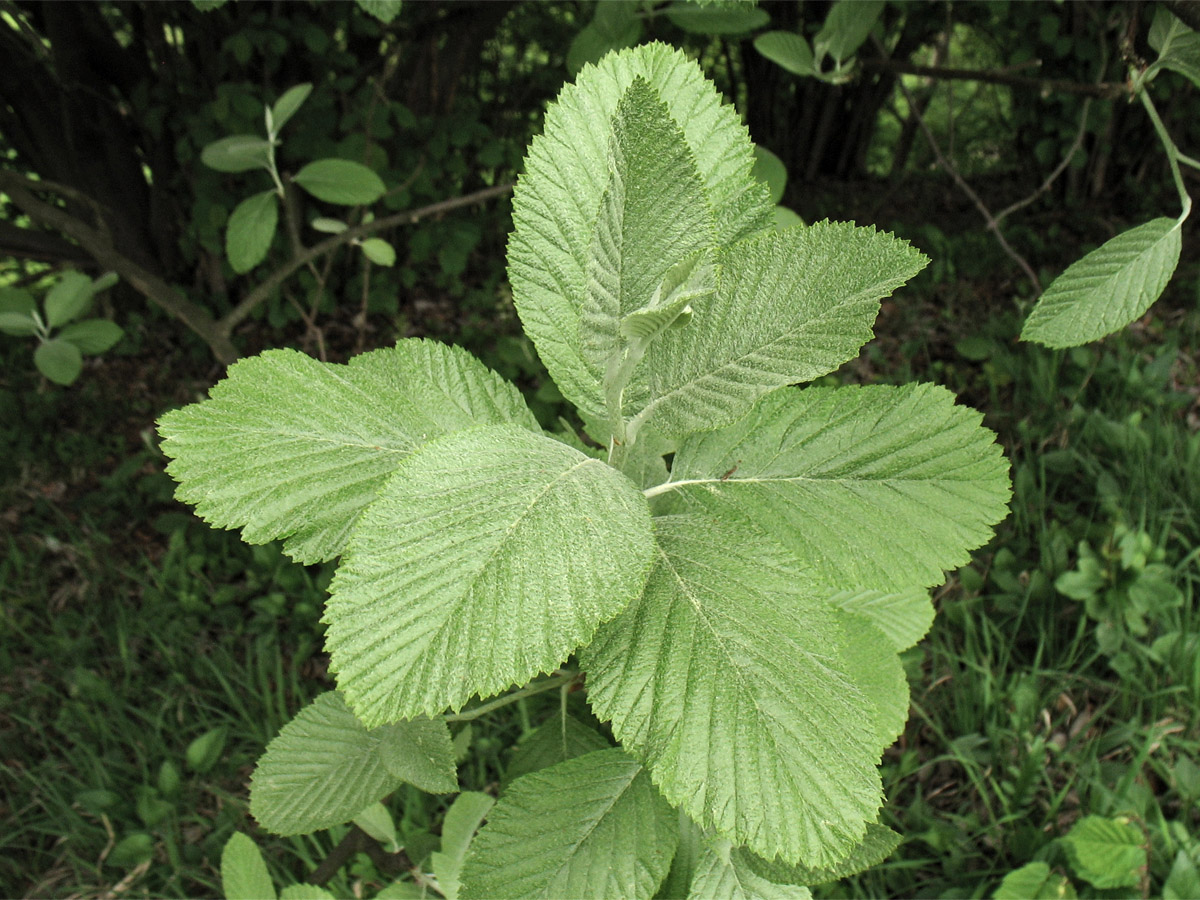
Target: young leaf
{"x":790,"y":306}
{"x":329,"y":226}
{"x":847,"y":25}
{"x":592,"y":826}
{"x":691,"y":281}
{"x":68,"y":298}
{"x":903,"y":617}
{"x":556,"y":740}
{"x":877,"y":845}
{"x":340,"y":181}
{"x":288,"y":447}
{"x":727,"y":679}
{"x":205,"y":751}
{"x":1107,"y":853}
{"x":1178,"y":46}
{"x":92,"y":335}
{"x":322,"y":769}
{"x":104,"y":282}
{"x":488,"y":557}
{"x":379,"y":251}
{"x":1034,"y":881}
{"x":377,"y":822}
{"x":881,"y":487}
{"x":60,"y":361}
{"x":250,"y":231}
{"x":18,"y":324}
{"x":288,"y":105}
{"x":722,"y":872}
{"x":420,"y":752}
{"x":711,"y":19}
{"x":1108,"y":288}
{"x":462,"y":820}
{"x":244,"y":874}
{"x":237,"y":153}
{"x":556,"y":202}
{"x":787,"y":50}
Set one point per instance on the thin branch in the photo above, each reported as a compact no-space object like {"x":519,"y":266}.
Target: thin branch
{"x":1058,"y":170}
{"x":1108,"y":90}
{"x":409,"y":217}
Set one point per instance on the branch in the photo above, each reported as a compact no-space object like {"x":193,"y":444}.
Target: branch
{"x":98,"y":245}
{"x":260,"y":294}
{"x":1107,"y":90}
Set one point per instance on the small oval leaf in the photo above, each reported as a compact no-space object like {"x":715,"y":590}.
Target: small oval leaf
{"x":250,"y":231}
{"x":769,"y":169}
{"x":17,"y":324}
{"x":340,"y":181}
{"x":786,"y":49}
{"x":244,"y":874}
{"x":237,"y":153}
{"x":287,"y":105}
{"x":59,"y":361}
{"x":68,"y":298}
{"x":104,"y":282}
{"x":329,"y":226}
{"x":379,"y":252}
{"x":92,"y":335}
{"x":202,"y":753}
{"x":714,"y":19}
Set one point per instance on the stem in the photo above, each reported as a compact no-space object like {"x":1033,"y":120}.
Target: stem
{"x":1172,"y":152}
{"x":1187,"y":160}
{"x":556,"y":681}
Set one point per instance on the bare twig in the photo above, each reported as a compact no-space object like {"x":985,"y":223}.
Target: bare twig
{"x":1058,"y":170}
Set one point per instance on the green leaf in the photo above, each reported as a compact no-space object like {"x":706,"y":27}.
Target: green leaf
{"x":1178,"y":46}
{"x":421,"y":752}
{"x":104,"y":282}
{"x":558,"y":199}
{"x":92,"y":335}
{"x":205,"y":751}
{"x":615,"y":26}
{"x":770,"y":170}
{"x":329,"y":226}
{"x":592,"y":826}
{"x":60,"y":361}
{"x":68,"y":298}
{"x":1108,"y":288}
{"x":288,"y":105}
{"x":383,"y":10}
{"x":846,"y":26}
{"x":785,"y":218}
{"x":306,"y":892}
{"x":1034,"y":881}
{"x":377,"y":822}
{"x":403,"y":890}
{"x":904,"y":617}
{"x":17,"y":300}
{"x":237,"y":153}
{"x":878,"y":487}
{"x":1183,"y":882}
{"x":208,"y":5}
{"x":690,"y":281}
{"x":340,"y":181}
{"x":722,"y":872}
{"x":1107,"y":853}
{"x":244,"y":874}
{"x":556,"y":740}
{"x":379,"y":251}
{"x":877,"y":673}
{"x":132,"y":850}
{"x":727,"y":678}
{"x":17,"y":324}
{"x":711,"y":19}
{"x":458,"y":830}
{"x":322,"y":769}
{"x":790,"y":306}
{"x":877,"y":845}
{"x":787,"y":50}
{"x":488,"y":557}
{"x":250,"y":231}
{"x":288,"y":447}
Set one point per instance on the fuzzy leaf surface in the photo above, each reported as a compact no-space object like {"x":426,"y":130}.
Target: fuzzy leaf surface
{"x":728,"y":680}
{"x":790,"y":306}
{"x":593,"y":826}
{"x":488,"y":557}
{"x":557,"y":200}
{"x":878,"y":487}
{"x":288,"y":447}
{"x":904,"y":617}
{"x":556,"y":740}
{"x":1108,"y":288}
{"x":723,"y":872}
{"x":877,"y":845}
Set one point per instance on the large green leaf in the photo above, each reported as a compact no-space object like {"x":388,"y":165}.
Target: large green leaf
{"x":250,"y":231}
{"x":288,"y":447}
{"x":634,"y":242}
{"x":1178,"y":46}
{"x":593,"y":826}
{"x":722,"y":871}
{"x":557,"y":200}
{"x":737,"y":18}
{"x":877,"y":845}
{"x":903,"y":617}
{"x":728,"y":679}
{"x":790,"y":306}
{"x":876,"y":487}
{"x":1108,"y":288}
{"x":488,"y":557}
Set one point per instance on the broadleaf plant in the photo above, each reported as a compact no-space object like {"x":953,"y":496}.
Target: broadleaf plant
{"x":728,"y":563}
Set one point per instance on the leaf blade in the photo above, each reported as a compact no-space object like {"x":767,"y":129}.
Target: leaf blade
{"x":340,"y":181}
{"x":250,"y":231}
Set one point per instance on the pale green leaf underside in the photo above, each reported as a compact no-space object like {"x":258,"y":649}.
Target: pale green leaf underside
{"x":593,"y":826}
{"x":877,"y":845}
{"x":244,"y":874}
{"x":877,"y":487}
{"x":904,"y":617}
{"x":489,"y":556}
{"x":288,"y":447}
{"x":790,"y":306}
{"x":1108,"y":288}
{"x":320,"y":770}
{"x":653,"y":214}
{"x":722,"y":872}
{"x":557,"y":200}
{"x":727,"y":679}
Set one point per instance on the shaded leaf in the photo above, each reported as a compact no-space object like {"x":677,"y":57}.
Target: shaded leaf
{"x":340,"y":181}
{"x":244,"y":874}
{"x":288,"y":105}
{"x":713,"y":19}
{"x":237,"y":153}
{"x":68,"y":298}
{"x":786,"y":49}
{"x":250,"y":230}
{"x":458,"y":830}
{"x":60,"y":361}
